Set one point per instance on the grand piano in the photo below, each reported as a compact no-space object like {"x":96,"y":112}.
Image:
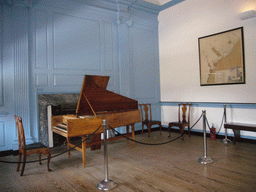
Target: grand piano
{"x":95,"y":104}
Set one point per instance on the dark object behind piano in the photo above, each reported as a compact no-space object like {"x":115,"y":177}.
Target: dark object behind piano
{"x":64,"y":109}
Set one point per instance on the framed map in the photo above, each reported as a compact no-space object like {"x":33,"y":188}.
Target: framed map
{"x":221,"y":58}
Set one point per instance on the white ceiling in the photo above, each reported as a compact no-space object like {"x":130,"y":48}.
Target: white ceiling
{"x":158,"y":2}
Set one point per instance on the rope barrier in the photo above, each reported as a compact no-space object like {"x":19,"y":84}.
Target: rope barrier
{"x":220,"y":125}
{"x":143,"y":143}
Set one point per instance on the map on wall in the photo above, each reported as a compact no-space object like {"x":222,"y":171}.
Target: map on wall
{"x":221,"y":58}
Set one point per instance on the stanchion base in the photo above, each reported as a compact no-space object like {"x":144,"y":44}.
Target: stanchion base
{"x":106,"y":185}
{"x":205,"y":160}
{"x":226,"y":141}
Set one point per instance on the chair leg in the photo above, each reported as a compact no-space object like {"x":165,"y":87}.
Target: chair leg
{"x":142,"y":129}
{"x":169,"y":130}
{"x":149,"y":129}
{"x":48,"y":161}
{"x":24,"y":163}
{"x":189,"y":132}
{"x":18,"y":167}
{"x":182,"y":132}
{"x":160,"y":129}
{"x":40,"y":155}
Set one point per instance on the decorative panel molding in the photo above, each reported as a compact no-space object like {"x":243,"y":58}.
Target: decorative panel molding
{"x":41,"y":80}
{"x":108,"y":49}
{"x":76,"y":43}
{"x":68,"y":80}
{"x":144,"y":64}
{"x":41,"y":40}
{"x":2,"y":134}
{"x":1,"y":58}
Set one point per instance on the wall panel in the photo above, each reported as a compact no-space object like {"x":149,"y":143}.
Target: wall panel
{"x":76,"y":43}
{"x":2,"y":134}
{"x":41,"y":80}
{"x":68,"y":80}
{"x":1,"y":56}
{"x":108,"y":47}
{"x":144,"y":64}
{"x":41,"y":55}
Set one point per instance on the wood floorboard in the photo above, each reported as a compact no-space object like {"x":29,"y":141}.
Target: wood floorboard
{"x":144,"y":168}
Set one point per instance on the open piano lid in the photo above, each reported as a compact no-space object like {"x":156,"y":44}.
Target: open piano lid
{"x":95,"y":98}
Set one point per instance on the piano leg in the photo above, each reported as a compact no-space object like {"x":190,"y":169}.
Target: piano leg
{"x":84,"y":150}
{"x":68,"y":146}
{"x":127,"y":132}
{"x":133,"y":135}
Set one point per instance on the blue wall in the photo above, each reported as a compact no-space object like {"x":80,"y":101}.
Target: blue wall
{"x":48,"y":48}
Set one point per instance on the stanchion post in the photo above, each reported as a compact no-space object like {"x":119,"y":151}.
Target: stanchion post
{"x":205,"y":159}
{"x":226,"y":140}
{"x":106,"y":184}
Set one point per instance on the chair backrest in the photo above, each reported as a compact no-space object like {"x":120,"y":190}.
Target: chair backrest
{"x":146,"y":113}
{"x":21,"y":135}
{"x":184,"y":112}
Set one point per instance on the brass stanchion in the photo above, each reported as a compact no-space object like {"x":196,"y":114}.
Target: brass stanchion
{"x":106,"y":184}
{"x":226,"y":140}
{"x":205,"y":159}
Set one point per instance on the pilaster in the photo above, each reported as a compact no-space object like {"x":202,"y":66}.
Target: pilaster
{"x":20,"y":27}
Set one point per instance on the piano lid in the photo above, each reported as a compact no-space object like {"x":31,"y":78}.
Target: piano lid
{"x":95,"y":98}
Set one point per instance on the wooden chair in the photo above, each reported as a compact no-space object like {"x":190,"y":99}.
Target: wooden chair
{"x":146,"y":118}
{"x":184,"y":114}
{"x":29,"y":149}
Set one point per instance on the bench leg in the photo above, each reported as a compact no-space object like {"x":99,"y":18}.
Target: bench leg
{"x":236,"y":135}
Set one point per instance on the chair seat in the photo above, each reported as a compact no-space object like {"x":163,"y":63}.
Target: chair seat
{"x":177,"y":124}
{"x":35,"y":146}
{"x":152,"y":122}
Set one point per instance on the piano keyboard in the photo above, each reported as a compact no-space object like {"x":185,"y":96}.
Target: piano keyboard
{"x":61,"y":127}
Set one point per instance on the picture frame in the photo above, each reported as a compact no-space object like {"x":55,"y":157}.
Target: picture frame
{"x":221,"y":58}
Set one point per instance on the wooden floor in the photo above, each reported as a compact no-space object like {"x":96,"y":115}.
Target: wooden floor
{"x":170,"y":167}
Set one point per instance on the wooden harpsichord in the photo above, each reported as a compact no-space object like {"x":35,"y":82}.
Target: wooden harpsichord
{"x":95,"y":104}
